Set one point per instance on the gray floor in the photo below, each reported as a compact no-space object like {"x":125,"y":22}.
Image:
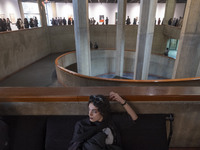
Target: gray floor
{"x":39,"y":74}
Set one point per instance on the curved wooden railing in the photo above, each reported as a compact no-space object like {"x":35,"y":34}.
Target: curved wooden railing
{"x":70,"y":78}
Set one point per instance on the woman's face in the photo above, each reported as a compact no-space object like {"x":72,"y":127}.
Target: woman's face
{"x":94,"y":114}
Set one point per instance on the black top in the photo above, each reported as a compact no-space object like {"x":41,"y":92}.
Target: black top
{"x":88,"y":133}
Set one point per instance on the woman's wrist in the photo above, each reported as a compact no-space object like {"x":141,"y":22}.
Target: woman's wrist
{"x":124,"y":103}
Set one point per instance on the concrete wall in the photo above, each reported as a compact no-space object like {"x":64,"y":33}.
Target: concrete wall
{"x":103,"y":62}
{"x":61,"y":38}
{"x":105,"y":36}
{"x":21,"y":48}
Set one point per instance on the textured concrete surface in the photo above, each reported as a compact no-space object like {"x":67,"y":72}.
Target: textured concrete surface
{"x":21,"y":48}
{"x":39,"y":74}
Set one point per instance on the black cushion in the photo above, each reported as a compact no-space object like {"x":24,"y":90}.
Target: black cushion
{"x":55,"y":132}
{"x":26,"y":132}
{"x":148,"y":133}
{"x":3,"y":135}
{"x":59,"y":131}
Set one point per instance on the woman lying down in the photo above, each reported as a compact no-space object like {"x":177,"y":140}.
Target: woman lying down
{"x":99,"y":131}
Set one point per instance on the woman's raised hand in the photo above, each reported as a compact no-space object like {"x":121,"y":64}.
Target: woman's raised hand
{"x":115,"y":97}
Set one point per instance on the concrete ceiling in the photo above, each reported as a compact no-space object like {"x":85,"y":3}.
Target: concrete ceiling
{"x":104,"y":1}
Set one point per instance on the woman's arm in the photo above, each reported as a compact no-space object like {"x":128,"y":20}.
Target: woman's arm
{"x":114,"y":96}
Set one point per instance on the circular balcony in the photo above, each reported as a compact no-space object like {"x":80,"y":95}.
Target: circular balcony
{"x":103,"y":62}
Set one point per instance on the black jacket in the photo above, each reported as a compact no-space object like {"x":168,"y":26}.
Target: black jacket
{"x":89,"y":136}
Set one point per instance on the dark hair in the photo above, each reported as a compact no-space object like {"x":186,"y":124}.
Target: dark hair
{"x":102,"y":103}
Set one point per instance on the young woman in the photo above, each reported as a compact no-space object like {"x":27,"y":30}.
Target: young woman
{"x":99,"y":131}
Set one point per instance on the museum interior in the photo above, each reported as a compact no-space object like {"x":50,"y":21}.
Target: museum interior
{"x":55,"y":54}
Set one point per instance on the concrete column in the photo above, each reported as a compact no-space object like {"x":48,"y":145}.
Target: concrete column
{"x":188,"y":57}
{"x":120,"y":39}
{"x":169,"y":10}
{"x":53,"y":5}
{"x":21,"y":9}
{"x":43,"y":18}
{"x":82,"y":36}
{"x":144,"y":39}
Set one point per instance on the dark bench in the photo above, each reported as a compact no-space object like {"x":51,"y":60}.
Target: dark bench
{"x":55,"y":132}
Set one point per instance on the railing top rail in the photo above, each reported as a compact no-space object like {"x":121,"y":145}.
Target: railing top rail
{"x":75,"y":94}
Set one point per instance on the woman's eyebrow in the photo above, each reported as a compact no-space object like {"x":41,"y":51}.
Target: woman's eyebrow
{"x":93,"y":109}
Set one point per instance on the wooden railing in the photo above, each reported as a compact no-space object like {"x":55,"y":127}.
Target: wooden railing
{"x":77,"y":94}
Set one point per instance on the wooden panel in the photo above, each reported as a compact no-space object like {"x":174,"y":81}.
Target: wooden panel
{"x":83,"y":93}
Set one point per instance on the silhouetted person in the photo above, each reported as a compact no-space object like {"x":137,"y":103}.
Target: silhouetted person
{"x":159,"y":21}
{"x":26,"y":24}
{"x":31,"y":22}
{"x":170,"y":21}
{"x":64,"y":21}
{"x":128,"y":21}
{"x":107,"y":20}
{"x":166,"y":52}
{"x":96,"y":45}
{"x":35,"y":22}
{"x":69,"y":21}
{"x":91,"y":45}
{"x":8,"y":24}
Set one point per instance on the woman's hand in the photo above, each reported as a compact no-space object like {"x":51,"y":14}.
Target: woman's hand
{"x":115,"y":97}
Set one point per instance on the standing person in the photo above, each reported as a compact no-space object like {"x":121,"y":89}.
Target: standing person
{"x":26,"y":24}
{"x":31,"y":23}
{"x":64,"y":21}
{"x":128,"y":21}
{"x":72,"y":21}
{"x":60,"y":21}
{"x":35,"y":22}
{"x":166,"y":52}
{"x":1,"y":25}
{"x":107,"y":20}
{"x":8,"y":24}
{"x":69,"y":21}
{"x":56,"y":21}
{"x":4,"y":25}
{"x":159,"y":21}
{"x":18,"y":24}
{"x":21,"y":23}
{"x":52,"y":22}
{"x":170,"y":21}
{"x":99,"y":131}
{"x":96,"y":45}
{"x":134,"y":21}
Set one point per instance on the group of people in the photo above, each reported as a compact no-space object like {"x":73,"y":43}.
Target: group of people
{"x":26,"y":24}
{"x":128,"y":21}
{"x":62,"y":21}
{"x":5,"y":25}
{"x":177,"y":22}
{"x":92,"y":21}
